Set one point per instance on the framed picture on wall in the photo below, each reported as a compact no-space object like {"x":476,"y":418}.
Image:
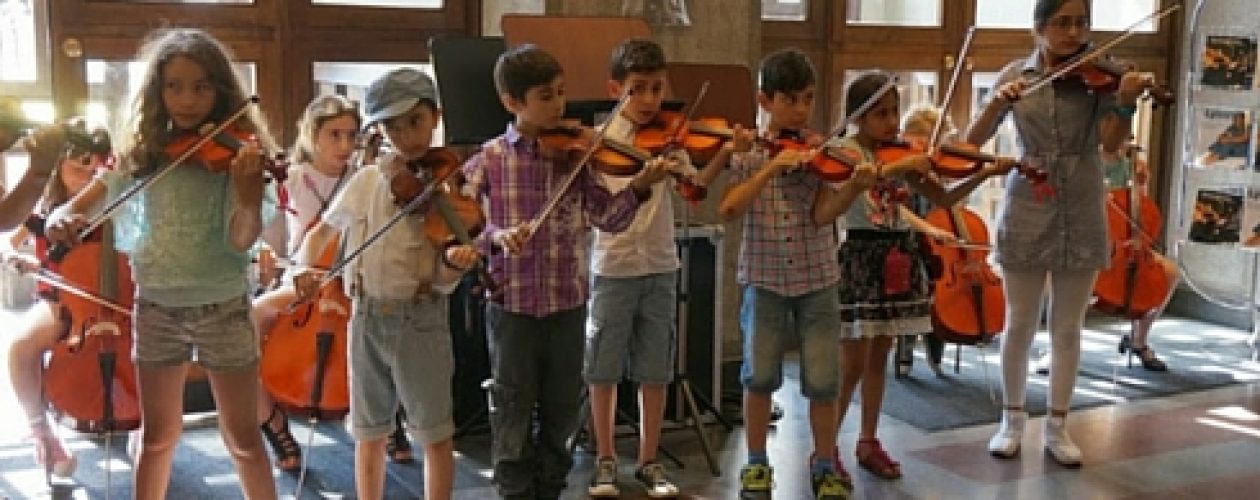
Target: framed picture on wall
{"x":1250,"y":231}
{"x":1228,"y":61}
{"x":1217,"y":215}
{"x":1224,"y":138}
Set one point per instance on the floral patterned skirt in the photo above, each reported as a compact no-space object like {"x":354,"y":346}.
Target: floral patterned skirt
{"x":866,"y":309}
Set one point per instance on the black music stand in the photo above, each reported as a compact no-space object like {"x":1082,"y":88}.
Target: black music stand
{"x":464,"y":66}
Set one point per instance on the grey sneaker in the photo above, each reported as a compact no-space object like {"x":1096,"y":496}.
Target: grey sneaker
{"x":604,"y":484}
{"x":656,"y":481}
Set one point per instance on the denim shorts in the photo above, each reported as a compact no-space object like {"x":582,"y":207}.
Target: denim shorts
{"x":220,"y":336}
{"x":400,"y":353}
{"x":631,"y":329}
{"x":768,"y":320}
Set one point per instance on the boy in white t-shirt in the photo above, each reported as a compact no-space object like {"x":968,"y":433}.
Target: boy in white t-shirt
{"x":400,"y":342}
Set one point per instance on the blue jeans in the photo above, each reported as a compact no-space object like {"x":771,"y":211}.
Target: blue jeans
{"x":767,"y":319}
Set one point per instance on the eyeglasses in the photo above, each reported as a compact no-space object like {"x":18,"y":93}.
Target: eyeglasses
{"x":1068,"y":22}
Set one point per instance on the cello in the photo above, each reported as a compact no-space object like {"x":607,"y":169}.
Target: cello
{"x":968,"y":305}
{"x":304,"y":360}
{"x":88,"y":385}
{"x":1134,"y":284}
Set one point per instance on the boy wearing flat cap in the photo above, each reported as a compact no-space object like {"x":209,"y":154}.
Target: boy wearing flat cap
{"x":400,"y":342}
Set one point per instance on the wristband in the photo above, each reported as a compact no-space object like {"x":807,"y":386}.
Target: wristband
{"x":1124,"y":112}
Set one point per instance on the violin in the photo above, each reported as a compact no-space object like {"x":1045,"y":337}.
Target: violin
{"x":450,"y":217}
{"x":953,"y":161}
{"x":217,"y":154}
{"x":618,"y":158}
{"x":1102,"y":76}
{"x":831,"y":164}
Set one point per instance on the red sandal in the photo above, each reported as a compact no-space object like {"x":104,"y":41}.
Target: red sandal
{"x":876,"y":459}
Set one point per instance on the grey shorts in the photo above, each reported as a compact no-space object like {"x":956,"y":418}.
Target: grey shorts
{"x":219,"y":336}
{"x":631,"y":329}
{"x":770,"y":321}
{"x":400,"y":353}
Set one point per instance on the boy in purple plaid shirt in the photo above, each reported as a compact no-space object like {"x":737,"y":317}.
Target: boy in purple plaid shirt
{"x":536,"y":326}
{"x":788,"y":270}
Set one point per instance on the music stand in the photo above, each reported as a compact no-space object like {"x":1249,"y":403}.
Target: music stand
{"x":464,"y":67}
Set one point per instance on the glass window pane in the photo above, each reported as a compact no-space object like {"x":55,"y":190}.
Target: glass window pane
{"x":1106,"y":16}
{"x":784,"y":10}
{"x":351,"y":80}
{"x":111,"y":85}
{"x":19,"y":50}
{"x":915,"y":87}
{"x":895,"y":12}
{"x":415,"y":4}
{"x":177,"y":1}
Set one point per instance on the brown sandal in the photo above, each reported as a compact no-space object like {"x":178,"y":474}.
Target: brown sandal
{"x":398,"y":447}
{"x":288,"y":453}
{"x":876,"y":460}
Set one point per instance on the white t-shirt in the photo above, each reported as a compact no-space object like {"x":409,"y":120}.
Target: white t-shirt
{"x":647,"y":246}
{"x":400,"y":264}
{"x":309,"y":191}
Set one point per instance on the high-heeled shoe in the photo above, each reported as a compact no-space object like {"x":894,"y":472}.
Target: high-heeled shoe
{"x":1005,"y":444}
{"x":1146,"y":356}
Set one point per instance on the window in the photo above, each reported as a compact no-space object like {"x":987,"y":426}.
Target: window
{"x":895,"y":12}
{"x":414,"y":4}
{"x":784,"y":10}
{"x":351,"y":79}
{"x":19,"y":51}
{"x":1106,"y":16}
{"x":111,"y":85}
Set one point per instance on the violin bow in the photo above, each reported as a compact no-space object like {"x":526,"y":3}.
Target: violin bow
{"x":533,"y":224}
{"x":411,"y":206}
{"x":947,"y":100}
{"x":843,"y":123}
{"x":58,"y":281}
{"x":114,"y":205}
{"x":1093,"y":54}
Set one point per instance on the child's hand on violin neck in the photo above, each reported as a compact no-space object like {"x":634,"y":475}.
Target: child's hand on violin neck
{"x":789,"y":159}
{"x":742,"y":139}
{"x":1011,"y":91}
{"x":865,"y":175}
{"x":512,"y":239}
{"x":461,"y":257}
{"x":653,"y":172}
{"x":21,"y":263}
{"x":1132,"y":84}
{"x":1000,"y":166}
{"x":65,"y":230}
{"x":914,"y":164}
{"x":247,"y":175}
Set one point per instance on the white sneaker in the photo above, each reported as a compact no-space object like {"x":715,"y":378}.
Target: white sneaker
{"x":1005,"y":444}
{"x":1059,"y":445}
{"x":1043,"y":364}
{"x":604,"y":484}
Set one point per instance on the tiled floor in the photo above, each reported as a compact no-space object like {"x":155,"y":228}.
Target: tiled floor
{"x":1203,"y":445}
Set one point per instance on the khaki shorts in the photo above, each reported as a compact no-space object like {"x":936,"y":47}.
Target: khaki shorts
{"x":220,"y":337}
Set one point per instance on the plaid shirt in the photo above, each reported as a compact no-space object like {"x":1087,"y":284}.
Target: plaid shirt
{"x":781,"y":249}
{"x":513,"y":182}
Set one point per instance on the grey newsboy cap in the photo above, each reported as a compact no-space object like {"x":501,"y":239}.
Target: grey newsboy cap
{"x":396,"y":92}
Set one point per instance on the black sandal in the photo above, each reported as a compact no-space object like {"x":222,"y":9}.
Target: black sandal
{"x":288,"y":453}
{"x":397,"y":446}
{"x":1149,"y":361}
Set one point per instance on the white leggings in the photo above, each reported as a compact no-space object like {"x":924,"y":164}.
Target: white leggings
{"x":1069,"y":296}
